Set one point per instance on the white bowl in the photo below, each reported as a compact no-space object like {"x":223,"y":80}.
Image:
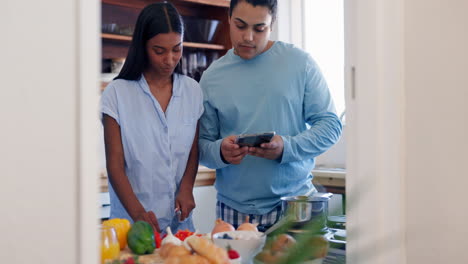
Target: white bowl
{"x":236,"y":261}
{"x":247,"y":243}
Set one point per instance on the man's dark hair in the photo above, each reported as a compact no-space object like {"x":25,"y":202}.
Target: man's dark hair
{"x":271,"y":4}
{"x":154,"y":19}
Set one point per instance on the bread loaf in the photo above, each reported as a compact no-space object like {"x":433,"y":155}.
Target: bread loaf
{"x":171,"y":250}
{"x":187,"y":259}
{"x":207,"y":249}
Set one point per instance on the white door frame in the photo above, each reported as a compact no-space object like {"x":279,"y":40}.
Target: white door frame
{"x":375,"y":106}
{"x":88,"y":54}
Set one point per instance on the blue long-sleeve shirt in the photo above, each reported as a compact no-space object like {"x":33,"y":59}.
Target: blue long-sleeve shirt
{"x":280,"y":90}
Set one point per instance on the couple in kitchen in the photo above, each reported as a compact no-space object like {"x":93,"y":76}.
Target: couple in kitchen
{"x":158,"y":123}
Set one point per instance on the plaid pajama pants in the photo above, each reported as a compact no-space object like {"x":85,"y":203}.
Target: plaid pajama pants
{"x":235,"y":218}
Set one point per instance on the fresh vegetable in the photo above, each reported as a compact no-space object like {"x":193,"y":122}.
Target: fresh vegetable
{"x":221,"y":226}
{"x":157,"y":239}
{"x":183,"y":234}
{"x":121,"y":227}
{"x":246,"y":226}
{"x":283,"y":242}
{"x":232,"y":254}
{"x":170,"y":238}
{"x":276,"y":248}
{"x":140,"y":238}
{"x":130,"y":260}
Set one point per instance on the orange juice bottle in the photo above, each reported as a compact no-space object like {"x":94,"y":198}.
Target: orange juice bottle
{"x":110,"y":249}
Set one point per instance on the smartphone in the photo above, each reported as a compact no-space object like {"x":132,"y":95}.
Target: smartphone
{"x":254,"y":140}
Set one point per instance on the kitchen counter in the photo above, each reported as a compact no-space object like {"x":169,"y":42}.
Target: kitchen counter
{"x":332,"y":179}
{"x":205,"y":177}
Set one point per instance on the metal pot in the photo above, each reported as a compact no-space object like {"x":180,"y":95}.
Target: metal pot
{"x":303,"y":209}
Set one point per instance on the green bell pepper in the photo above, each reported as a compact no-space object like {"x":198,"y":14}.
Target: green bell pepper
{"x":140,"y":238}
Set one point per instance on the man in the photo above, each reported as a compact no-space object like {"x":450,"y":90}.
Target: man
{"x":259,"y":86}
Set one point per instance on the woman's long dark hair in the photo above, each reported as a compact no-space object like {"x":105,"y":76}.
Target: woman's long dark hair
{"x":154,"y":19}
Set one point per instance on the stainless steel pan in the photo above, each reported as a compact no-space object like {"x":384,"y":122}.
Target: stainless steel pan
{"x":303,"y":209}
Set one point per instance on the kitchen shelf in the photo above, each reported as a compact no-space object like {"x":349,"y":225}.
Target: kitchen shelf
{"x":204,"y":46}
{"x":143,"y":3}
{"x":108,"y":36}
{"x":123,"y":14}
{"x":222,"y":3}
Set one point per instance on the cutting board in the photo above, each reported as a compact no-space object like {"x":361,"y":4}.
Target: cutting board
{"x":154,"y":258}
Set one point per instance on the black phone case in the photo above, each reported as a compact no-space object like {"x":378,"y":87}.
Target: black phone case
{"x":254,"y":140}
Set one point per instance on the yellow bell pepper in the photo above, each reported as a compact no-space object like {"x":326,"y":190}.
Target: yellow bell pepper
{"x":121,"y":227}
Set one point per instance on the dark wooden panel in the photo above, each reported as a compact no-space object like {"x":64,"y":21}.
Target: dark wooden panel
{"x":220,"y":3}
{"x":133,"y":3}
{"x":222,"y":34}
{"x":114,"y":49}
{"x":192,"y":3}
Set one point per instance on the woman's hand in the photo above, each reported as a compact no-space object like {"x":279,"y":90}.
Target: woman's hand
{"x":272,"y":150}
{"x":184,"y":202}
{"x":149,"y":217}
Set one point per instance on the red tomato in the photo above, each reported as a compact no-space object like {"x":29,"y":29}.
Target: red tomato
{"x":183,"y":234}
{"x":157,"y":239}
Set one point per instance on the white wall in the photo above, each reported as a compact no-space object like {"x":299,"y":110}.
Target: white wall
{"x":407,"y":131}
{"x":375,"y":150}
{"x":436,"y":81}
{"x":48,"y":172}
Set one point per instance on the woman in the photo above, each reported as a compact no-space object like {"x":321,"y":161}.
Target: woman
{"x":150,"y":116}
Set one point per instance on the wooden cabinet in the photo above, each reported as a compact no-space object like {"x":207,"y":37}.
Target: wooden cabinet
{"x":119,"y":17}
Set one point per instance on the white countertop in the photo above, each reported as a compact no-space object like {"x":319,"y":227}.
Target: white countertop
{"x":338,"y":173}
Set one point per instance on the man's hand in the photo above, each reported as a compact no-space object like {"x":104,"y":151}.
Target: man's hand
{"x":184,"y":203}
{"x":272,"y":150}
{"x":232,"y":152}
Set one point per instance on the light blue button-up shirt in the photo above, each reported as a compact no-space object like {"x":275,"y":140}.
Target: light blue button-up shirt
{"x":156,"y":144}
{"x":279,"y":90}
